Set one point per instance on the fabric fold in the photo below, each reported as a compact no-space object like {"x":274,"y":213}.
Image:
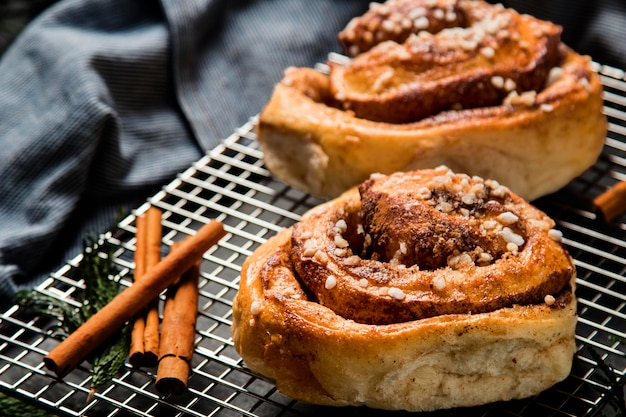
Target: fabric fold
{"x":89,"y":126}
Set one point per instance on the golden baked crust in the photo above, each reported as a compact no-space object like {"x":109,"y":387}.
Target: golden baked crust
{"x":335,"y":315}
{"x":397,"y":107}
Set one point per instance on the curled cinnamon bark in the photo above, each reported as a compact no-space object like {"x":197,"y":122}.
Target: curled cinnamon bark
{"x":137,"y":347}
{"x":178,"y":332}
{"x":153,"y":257}
{"x":78,"y":345}
{"x":611,"y":203}
{"x":144,"y":346}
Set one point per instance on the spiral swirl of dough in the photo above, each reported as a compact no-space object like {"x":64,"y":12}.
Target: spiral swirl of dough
{"x":427,"y":243}
{"x":466,"y":84}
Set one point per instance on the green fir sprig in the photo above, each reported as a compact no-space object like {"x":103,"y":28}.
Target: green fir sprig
{"x":98,"y":273}
{"x":10,"y":406}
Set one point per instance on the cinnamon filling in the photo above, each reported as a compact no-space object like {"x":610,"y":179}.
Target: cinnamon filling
{"x":447,"y":229}
{"x":417,"y":245}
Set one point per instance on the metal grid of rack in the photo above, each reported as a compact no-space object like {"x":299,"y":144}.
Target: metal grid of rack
{"x":231,"y":184}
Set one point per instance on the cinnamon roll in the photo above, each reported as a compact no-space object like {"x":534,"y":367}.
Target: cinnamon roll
{"x":415,"y":291}
{"x":477,"y":87}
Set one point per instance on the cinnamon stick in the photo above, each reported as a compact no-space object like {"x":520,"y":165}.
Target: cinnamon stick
{"x":153,"y":257}
{"x":144,"y":344}
{"x":178,"y":333}
{"x":136,"y":350}
{"x":612,"y":202}
{"x":130,"y":301}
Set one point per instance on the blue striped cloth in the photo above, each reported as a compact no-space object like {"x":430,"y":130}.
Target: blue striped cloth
{"x":103,"y":101}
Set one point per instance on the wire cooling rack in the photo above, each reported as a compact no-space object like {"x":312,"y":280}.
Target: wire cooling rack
{"x":231,"y":184}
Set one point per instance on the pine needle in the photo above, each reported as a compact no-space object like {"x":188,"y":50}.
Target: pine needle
{"x":98,"y":272}
{"x":10,"y":406}
{"x":109,"y":359}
